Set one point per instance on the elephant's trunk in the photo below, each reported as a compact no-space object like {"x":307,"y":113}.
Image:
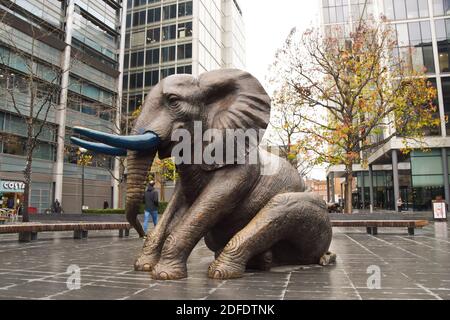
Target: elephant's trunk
{"x":137,"y":168}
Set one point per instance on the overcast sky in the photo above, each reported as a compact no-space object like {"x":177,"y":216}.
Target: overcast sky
{"x":267,"y":25}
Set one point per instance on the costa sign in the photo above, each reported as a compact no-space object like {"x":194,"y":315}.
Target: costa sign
{"x":12,"y":186}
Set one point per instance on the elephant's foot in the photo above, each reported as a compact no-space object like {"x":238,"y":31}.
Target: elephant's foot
{"x":220,"y":269}
{"x":327,"y":258}
{"x":171,"y":270}
{"x":146,"y":262}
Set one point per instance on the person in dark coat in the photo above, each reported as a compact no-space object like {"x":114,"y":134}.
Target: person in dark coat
{"x":151,"y":205}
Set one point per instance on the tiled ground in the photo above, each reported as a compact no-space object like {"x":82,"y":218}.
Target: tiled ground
{"x":412,"y":267}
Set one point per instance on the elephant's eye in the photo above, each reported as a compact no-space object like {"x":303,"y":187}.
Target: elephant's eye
{"x":173,"y":100}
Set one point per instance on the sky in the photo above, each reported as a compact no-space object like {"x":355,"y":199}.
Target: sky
{"x":267,"y":25}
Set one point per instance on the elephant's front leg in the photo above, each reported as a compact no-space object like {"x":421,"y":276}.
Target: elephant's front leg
{"x":151,"y":251}
{"x":214,"y":203}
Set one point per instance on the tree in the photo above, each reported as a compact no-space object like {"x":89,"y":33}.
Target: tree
{"x":357,"y":93}
{"x":31,"y":89}
{"x":286,"y":124}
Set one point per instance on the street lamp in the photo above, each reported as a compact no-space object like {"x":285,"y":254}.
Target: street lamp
{"x":82,"y":153}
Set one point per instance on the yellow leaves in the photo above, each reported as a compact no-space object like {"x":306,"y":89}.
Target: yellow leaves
{"x":84,"y":158}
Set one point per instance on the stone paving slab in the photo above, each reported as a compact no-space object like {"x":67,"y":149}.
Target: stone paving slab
{"x":412,"y":267}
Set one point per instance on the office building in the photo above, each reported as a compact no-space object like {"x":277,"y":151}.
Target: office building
{"x":166,"y":37}
{"x":423,"y":29}
{"x":82,"y":42}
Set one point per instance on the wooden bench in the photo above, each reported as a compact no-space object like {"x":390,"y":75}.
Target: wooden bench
{"x":373,"y":225}
{"x":28,"y":231}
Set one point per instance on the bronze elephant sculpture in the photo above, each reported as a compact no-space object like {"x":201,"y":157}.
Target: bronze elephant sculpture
{"x":249,"y":219}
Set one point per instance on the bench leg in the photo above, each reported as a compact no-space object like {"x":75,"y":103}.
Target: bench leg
{"x":120,"y":233}
{"x":127,"y":232}
{"x":411,"y":231}
{"x":372,"y":230}
{"x":80,"y":234}
{"x":27,"y":236}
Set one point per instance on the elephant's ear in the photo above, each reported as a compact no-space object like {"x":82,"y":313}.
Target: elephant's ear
{"x":234,"y":99}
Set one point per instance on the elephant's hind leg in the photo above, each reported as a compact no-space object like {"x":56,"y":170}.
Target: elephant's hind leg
{"x":298,"y":218}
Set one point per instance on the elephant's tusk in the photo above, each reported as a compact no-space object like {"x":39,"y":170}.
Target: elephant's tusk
{"x":142,"y":142}
{"x":99,"y":147}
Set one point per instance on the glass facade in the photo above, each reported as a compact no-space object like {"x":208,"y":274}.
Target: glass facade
{"x":166,"y":37}
{"x":423,"y":41}
{"x":159,"y":38}
{"x":92,"y":87}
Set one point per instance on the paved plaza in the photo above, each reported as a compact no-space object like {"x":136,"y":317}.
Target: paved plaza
{"x":412,"y":267}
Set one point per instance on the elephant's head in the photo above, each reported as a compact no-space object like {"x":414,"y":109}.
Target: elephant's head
{"x":222,"y":99}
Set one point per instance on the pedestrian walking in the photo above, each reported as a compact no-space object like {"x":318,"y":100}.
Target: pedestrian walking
{"x":151,"y":205}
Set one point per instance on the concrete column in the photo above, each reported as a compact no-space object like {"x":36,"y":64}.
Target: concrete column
{"x":395,"y":177}
{"x":371,"y":187}
{"x":333,"y":200}
{"x":445,"y":172}
{"x":116,"y":173}
{"x":363,"y":196}
{"x":61,"y":113}
{"x":440,"y":94}
{"x":328,"y":189}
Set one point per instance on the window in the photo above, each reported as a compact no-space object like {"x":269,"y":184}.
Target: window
{"x":126,"y":61}
{"x":154,"y":15}
{"x":168,"y":54}
{"x":136,"y":81}
{"x":428,"y":59}
{"x":134,"y":60}
{"x":415,"y":36}
{"x":184,"y":69}
{"x":153,"y":35}
{"x":443,"y":58}
{"x":151,"y":78}
{"x":134,"y":102}
{"x":138,"y":3}
{"x":402,"y":35}
{"x":169,"y":32}
{"x":125,"y":82}
{"x":185,"y":30}
{"x":414,"y":40}
{"x":423,"y":8}
{"x":184,"y":51}
{"x":425,"y":31}
{"x":405,"y":9}
{"x":185,"y":9}
{"x":140,"y":59}
{"x":443,"y":37}
{"x":138,"y":39}
{"x":152,"y":56}
{"x":167,"y":72}
{"x":441,"y":7}
{"x":400,"y":9}
{"x":170,"y":12}
{"x":129,"y":20}
{"x":412,"y":9}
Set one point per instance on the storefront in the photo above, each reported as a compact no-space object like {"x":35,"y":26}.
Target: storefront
{"x":11,"y":193}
